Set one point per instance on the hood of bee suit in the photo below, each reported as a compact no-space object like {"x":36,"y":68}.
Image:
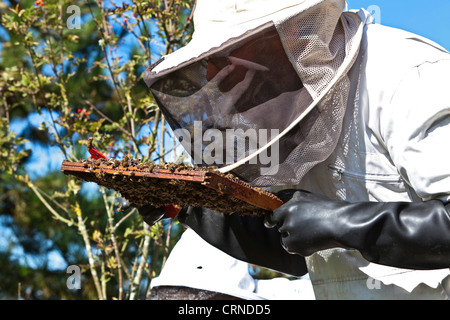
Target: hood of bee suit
{"x":262,"y":87}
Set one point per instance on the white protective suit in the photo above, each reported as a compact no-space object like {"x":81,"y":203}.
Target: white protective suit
{"x":391,"y":149}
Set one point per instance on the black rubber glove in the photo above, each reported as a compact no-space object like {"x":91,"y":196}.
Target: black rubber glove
{"x":244,"y":238}
{"x":149,"y":213}
{"x":400,"y":234}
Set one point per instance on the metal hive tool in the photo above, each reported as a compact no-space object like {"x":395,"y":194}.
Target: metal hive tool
{"x":183,"y":186}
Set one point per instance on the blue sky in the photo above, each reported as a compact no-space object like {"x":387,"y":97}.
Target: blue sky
{"x":429,"y":19}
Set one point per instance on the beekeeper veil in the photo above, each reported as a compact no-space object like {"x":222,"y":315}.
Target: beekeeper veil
{"x":262,"y":87}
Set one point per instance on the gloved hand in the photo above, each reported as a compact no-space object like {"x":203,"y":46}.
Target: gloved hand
{"x":149,"y":213}
{"x":244,"y":238}
{"x":398,"y":234}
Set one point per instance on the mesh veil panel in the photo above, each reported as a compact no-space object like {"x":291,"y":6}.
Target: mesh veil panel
{"x":259,"y":85}
{"x":240,"y":99}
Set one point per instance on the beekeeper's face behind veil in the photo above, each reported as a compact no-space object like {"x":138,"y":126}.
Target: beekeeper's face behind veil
{"x":261,"y":89}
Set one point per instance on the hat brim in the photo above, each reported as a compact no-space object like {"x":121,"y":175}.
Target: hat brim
{"x":193,"y":53}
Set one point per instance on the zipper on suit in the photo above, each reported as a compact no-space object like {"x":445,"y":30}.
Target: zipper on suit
{"x":339,"y":172}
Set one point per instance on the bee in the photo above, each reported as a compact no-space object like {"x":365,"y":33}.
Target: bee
{"x":181,"y":167}
{"x":141,"y":166}
{"x":112,"y":163}
{"x":230,"y":176}
{"x":221,"y":187}
{"x":100,"y":175}
{"x":89,"y":143}
{"x":124,"y":161}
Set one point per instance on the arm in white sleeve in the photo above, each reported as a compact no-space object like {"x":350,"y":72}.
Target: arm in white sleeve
{"x":417,"y":129}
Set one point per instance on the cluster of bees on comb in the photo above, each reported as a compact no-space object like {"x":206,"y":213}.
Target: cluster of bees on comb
{"x":141,"y":191}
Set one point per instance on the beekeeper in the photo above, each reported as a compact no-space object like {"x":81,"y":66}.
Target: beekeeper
{"x":362,"y":113}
